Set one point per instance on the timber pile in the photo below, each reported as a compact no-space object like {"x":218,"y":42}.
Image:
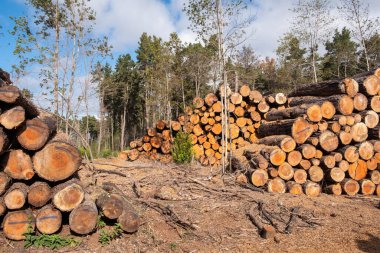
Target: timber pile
{"x":39,"y":188}
{"x":321,"y":137}
{"x":327,"y":139}
{"x":203,"y":122}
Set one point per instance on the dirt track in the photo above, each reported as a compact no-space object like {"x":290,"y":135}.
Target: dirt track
{"x":192,"y":209}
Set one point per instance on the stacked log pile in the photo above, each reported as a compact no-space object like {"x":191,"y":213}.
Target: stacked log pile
{"x":327,"y":139}
{"x":203,"y":122}
{"x":38,"y":182}
{"x":320,"y":137}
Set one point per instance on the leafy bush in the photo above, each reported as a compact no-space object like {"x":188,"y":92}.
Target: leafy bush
{"x":48,"y":241}
{"x":105,"y":153}
{"x":182,"y":148}
{"x":84,"y":151}
{"x":107,"y":235}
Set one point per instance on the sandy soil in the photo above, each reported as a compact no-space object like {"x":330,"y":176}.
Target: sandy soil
{"x":194,"y":209}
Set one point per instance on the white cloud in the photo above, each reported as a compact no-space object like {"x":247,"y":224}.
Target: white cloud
{"x":125,"y":20}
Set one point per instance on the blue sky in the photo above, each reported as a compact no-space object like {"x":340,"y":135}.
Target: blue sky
{"x":123,"y":21}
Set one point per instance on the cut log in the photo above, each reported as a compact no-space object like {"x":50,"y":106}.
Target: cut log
{"x":308,"y":151}
{"x":4,"y":141}
{"x":371,"y":118}
{"x":360,"y":102}
{"x":328,"y":141}
{"x":372,"y":164}
{"x":17,"y":223}
{"x":147,"y":147}
{"x":129,"y":220}
{"x":335,"y":189}
{"x":350,"y":153}
{"x":39,"y":194}
{"x":328,"y":161}
{"x":58,"y":160}
{"x":326,"y":88}
{"x":294,"y":158}
{"x":375,"y":103}
{"x":17,"y":165}
{"x":366,"y":150}
{"x":369,"y":85}
{"x":314,"y":113}
{"x":15,"y":197}
{"x":305,"y":164}
{"x":301,"y":130}
{"x":166,"y":147}
{"x":255,"y":96}
{"x":300,"y":176}
{"x":4,"y":182}
{"x":210,"y":99}
{"x":83,"y":219}
{"x":335,"y":175}
{"x":343,"y":103}
{"x":359,"y":132}
{"x":285,"y":171}
{"x":294,"y":188}
{"x":161,"y":124}
{"x":175,"y":125}
{"x":345,"y":138}
{"x":280,"y":98}
{"x":350,"y":187}
{"x":133,"y":154}
{"x":315,"y":174}
{"x":358,"y":170}
{"x":276,"y":185}
{"x":111,"y":205}
{"x":68,"y":195}
{"x":257,"y":160}
{"x":236,"y":98}
{"x":34,"y":134}
{"x":273,"y":172}
{"x":328,"y":110}
{"x":263,"y":107}
{"x":367,"y":187}
{"x":12,"y":118}
{"x":312,"y":189}
{"x":259,"y":177}
{"x":315,"y":161}
{"x":156,"y":142}
{"x":285,"y":142}
{"x":151,"y":132}
{"x":48,"y":220}
{"x":12,"y":95}
{"x":274,"y":154}
{"x":374,"y":175}
{"x":288,"y":113}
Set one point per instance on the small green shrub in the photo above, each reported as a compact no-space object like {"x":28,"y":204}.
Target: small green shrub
{"x":107,"y":235}
{"x":48,"y":241}
{"x":182,"y":149}
{"x":84,"y":151}
{"x":106,"y":153}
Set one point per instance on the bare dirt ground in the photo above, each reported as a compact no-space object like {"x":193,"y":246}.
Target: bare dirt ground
{"x":195,"y":209}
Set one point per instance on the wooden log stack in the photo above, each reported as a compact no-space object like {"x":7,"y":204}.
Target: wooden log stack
{"x":38,"y":182}
{"x":325,"y":140}
{"x":320,"y":137}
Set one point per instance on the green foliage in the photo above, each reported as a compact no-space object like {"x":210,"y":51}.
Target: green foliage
{"x":85,"y":152}
{"x":173,"y":246}
{"x":107,"y":235}
{"x":107,"y":153}
{"x":182,"y":148}
{"x":340,"y":58}
{"x":48,"y":241}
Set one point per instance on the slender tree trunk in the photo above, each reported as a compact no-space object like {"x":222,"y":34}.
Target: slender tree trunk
{"x":112,"y":133}
{"x":314,"y":67}
{"x":56,"y":53}
{"x":123,"y":125}
{"x":183,"y":93}
{"x":101,"y":119}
